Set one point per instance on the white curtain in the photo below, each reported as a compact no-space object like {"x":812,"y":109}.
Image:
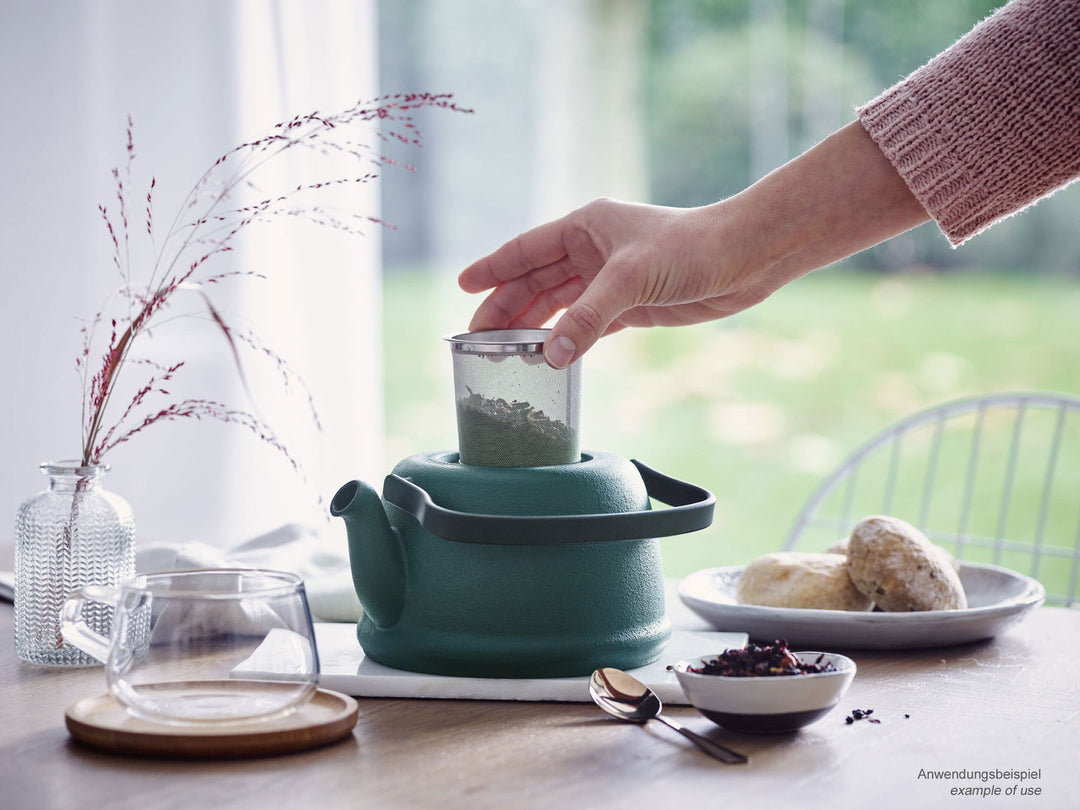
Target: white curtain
{"x":197,"y":78}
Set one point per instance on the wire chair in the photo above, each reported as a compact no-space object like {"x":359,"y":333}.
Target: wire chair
{"x":994,"y":478}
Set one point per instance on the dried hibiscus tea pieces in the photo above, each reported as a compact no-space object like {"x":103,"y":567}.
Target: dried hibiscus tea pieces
{"x":755,"y":660}
{"x":861,"y":714}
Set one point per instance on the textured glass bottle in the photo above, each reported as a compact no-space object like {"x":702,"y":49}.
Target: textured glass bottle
{"x":74,"y":533}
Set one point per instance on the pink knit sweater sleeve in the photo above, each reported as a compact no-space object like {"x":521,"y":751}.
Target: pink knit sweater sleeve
{"x":992,"y":124}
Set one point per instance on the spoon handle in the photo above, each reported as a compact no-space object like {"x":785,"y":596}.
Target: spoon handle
{"x":713,"y":749}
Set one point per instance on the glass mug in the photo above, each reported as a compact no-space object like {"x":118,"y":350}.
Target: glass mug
{"x":202,"y":647}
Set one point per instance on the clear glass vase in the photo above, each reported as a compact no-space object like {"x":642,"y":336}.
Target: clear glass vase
{"x":72,"y":534}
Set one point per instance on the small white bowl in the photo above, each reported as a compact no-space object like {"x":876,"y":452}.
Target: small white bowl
{"x":767,"y":704}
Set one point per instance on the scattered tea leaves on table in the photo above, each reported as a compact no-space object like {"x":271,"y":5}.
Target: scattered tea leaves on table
{"x":862,"y":714}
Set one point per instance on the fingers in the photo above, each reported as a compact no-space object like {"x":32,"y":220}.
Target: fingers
{"x":548,"y":303}
{"x":591,"y":308}
{"x":590,"y":316}
{"x":539,"y":247}
{"x":566,"y":263}
{"x":517,"y":302}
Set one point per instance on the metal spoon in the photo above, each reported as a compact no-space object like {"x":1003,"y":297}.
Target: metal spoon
{"x":627,"y":698}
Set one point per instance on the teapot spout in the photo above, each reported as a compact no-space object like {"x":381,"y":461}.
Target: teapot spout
{"x":376,"y":555}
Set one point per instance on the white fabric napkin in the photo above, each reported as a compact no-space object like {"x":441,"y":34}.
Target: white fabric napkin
{"x":292,"y":547}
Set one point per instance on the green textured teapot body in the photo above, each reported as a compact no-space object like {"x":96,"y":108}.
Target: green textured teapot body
{"x":513,"y":571}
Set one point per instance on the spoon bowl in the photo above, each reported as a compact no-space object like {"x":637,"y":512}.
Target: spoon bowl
{"x":626,"y":698}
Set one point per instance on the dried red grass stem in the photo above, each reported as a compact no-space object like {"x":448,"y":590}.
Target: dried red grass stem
{"x":180,"y":263}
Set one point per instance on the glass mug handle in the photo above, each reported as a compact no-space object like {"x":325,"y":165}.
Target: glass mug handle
{"x":73,"y":626}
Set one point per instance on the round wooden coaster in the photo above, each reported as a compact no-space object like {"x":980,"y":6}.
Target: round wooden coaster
{"x":103,"y":723}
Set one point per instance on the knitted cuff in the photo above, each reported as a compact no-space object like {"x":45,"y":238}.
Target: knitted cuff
{"x":895,"y":122}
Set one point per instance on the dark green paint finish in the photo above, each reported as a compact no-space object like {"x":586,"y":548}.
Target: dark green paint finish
{"x":502,"y":607}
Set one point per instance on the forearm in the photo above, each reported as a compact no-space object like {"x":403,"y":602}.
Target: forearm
{"x":838,"y":198}
{"x":611,"y":265}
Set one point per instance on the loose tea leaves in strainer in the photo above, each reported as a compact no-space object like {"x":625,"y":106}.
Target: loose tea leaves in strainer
{"x":494,"y":432}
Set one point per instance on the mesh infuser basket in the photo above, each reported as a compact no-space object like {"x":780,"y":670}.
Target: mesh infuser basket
{"x":513,"y":409}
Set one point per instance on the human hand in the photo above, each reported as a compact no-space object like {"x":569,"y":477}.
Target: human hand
{"x":611,"y":265}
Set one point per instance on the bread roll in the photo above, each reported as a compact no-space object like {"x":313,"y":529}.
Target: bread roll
{"x":792,"y":579}
{"x":895,"y":565}
{"x":839,"y":547}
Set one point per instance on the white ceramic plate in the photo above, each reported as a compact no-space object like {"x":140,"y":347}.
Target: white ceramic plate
{"x":997,"y":599}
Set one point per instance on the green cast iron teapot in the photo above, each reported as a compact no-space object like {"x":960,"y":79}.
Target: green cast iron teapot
{"x":505,"y":572}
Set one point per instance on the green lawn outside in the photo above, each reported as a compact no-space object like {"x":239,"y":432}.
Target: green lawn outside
{"x":759,"y":407}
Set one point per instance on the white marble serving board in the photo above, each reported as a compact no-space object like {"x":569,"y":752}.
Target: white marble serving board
{"x":345,"y":668}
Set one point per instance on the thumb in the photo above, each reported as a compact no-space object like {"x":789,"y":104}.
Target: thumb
{"x":587,"y":319}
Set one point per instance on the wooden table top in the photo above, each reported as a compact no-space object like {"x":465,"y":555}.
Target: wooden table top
{"x":971,"y":716}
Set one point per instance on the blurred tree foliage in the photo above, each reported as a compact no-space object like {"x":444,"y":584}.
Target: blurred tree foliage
{"x":705,"y":63}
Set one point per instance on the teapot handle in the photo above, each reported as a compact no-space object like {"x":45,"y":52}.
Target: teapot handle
{"x":691,"y":509}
